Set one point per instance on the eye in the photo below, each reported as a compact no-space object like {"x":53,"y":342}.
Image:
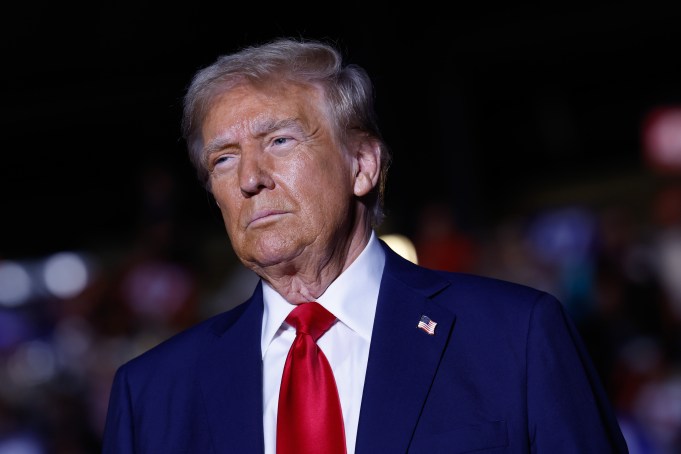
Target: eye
{"x":280,"y":141}
{"x":282,"y":145}
{"x":221,"y":161}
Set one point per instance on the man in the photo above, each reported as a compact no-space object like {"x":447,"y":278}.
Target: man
{"x":285,"y":138}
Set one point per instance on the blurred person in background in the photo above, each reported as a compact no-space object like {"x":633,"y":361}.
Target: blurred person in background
{"x":441,"y":243}
{"x":285,"y":137}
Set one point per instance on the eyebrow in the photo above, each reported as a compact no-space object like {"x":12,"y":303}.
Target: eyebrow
{"x":260,"y":128}
{"x":269,"y":126}
{"x":216,"y":144}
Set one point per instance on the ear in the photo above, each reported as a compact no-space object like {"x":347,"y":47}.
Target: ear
{"x":367,"y":165}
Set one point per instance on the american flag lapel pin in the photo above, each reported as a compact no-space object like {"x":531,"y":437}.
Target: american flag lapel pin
{"x":427,"y":325}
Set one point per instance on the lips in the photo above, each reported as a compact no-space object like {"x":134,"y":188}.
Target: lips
{"x":263,"y":216}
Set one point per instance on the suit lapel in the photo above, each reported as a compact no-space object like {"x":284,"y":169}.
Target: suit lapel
{"x":403,"y":359}
{"x":231,"y":380}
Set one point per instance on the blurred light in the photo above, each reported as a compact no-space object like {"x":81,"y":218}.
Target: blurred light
{"x":65,"y":274}
{"x":73,"y":339}
{"x":157,"y":289}
{"x":657,"y":407}
{"x":22,"y":443}
{"x":668,"y":260}
{"x":402,"y":245}
{"x":562,"y":236}
{"x":32,"y":363}
{"x":15,"y":328}
{"x":15,"y":284}
{"x":662,"y":138}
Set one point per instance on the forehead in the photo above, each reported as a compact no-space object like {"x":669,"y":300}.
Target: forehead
{"x":248,"y":102}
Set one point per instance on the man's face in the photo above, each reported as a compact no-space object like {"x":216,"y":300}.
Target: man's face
{"x":282,"y":180}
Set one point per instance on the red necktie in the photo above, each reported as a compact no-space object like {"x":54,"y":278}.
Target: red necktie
{"x":309,"y":418}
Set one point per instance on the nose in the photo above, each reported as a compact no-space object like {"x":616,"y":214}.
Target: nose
{"x":254,"y":174}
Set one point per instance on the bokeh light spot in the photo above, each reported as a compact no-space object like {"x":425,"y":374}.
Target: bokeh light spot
{"x":65,"y":274}
{"x":15,"y":284}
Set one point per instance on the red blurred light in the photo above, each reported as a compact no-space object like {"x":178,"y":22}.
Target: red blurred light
{"x":662,"y":139}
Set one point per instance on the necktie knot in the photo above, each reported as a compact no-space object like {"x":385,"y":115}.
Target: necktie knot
{"x":311,"y":318}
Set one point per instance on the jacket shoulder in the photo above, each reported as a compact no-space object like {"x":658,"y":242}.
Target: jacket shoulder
{"x":463,"y":290}
{"x":180,"y":349}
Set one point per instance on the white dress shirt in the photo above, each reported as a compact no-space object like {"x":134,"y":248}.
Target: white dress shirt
{"x":352,"y":299}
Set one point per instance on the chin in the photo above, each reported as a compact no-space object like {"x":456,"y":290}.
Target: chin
{"x":269,"y":253}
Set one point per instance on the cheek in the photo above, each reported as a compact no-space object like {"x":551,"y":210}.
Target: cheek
{"x":329,"y":190}
{"x":227,"y":203}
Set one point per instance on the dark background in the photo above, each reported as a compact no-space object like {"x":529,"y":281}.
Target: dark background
{"x":495,"y":109}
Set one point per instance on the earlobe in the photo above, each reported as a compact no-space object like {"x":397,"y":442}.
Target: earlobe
{"x":362,"y":185}
{"x":367,"y":166}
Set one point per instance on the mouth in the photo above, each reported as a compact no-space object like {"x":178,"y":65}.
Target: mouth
{"x":261,"y":217}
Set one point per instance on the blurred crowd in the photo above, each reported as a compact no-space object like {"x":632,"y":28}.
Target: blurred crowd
{"x":617,"y":270}
{"x":69,"y":320}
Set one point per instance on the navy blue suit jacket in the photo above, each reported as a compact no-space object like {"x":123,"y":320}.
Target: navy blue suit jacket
{"x":504,"y":372}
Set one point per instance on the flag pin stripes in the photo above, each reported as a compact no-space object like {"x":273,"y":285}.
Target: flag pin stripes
{"x":427,"y":325}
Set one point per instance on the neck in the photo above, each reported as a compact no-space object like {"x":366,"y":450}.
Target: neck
{"x":308,"y":276}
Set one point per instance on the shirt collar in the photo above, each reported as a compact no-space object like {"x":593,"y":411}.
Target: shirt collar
{"x":352,"y":297}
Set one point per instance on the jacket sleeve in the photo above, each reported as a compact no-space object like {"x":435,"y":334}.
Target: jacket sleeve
{"x":118,"y":435}
{"x":568,"y":409}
